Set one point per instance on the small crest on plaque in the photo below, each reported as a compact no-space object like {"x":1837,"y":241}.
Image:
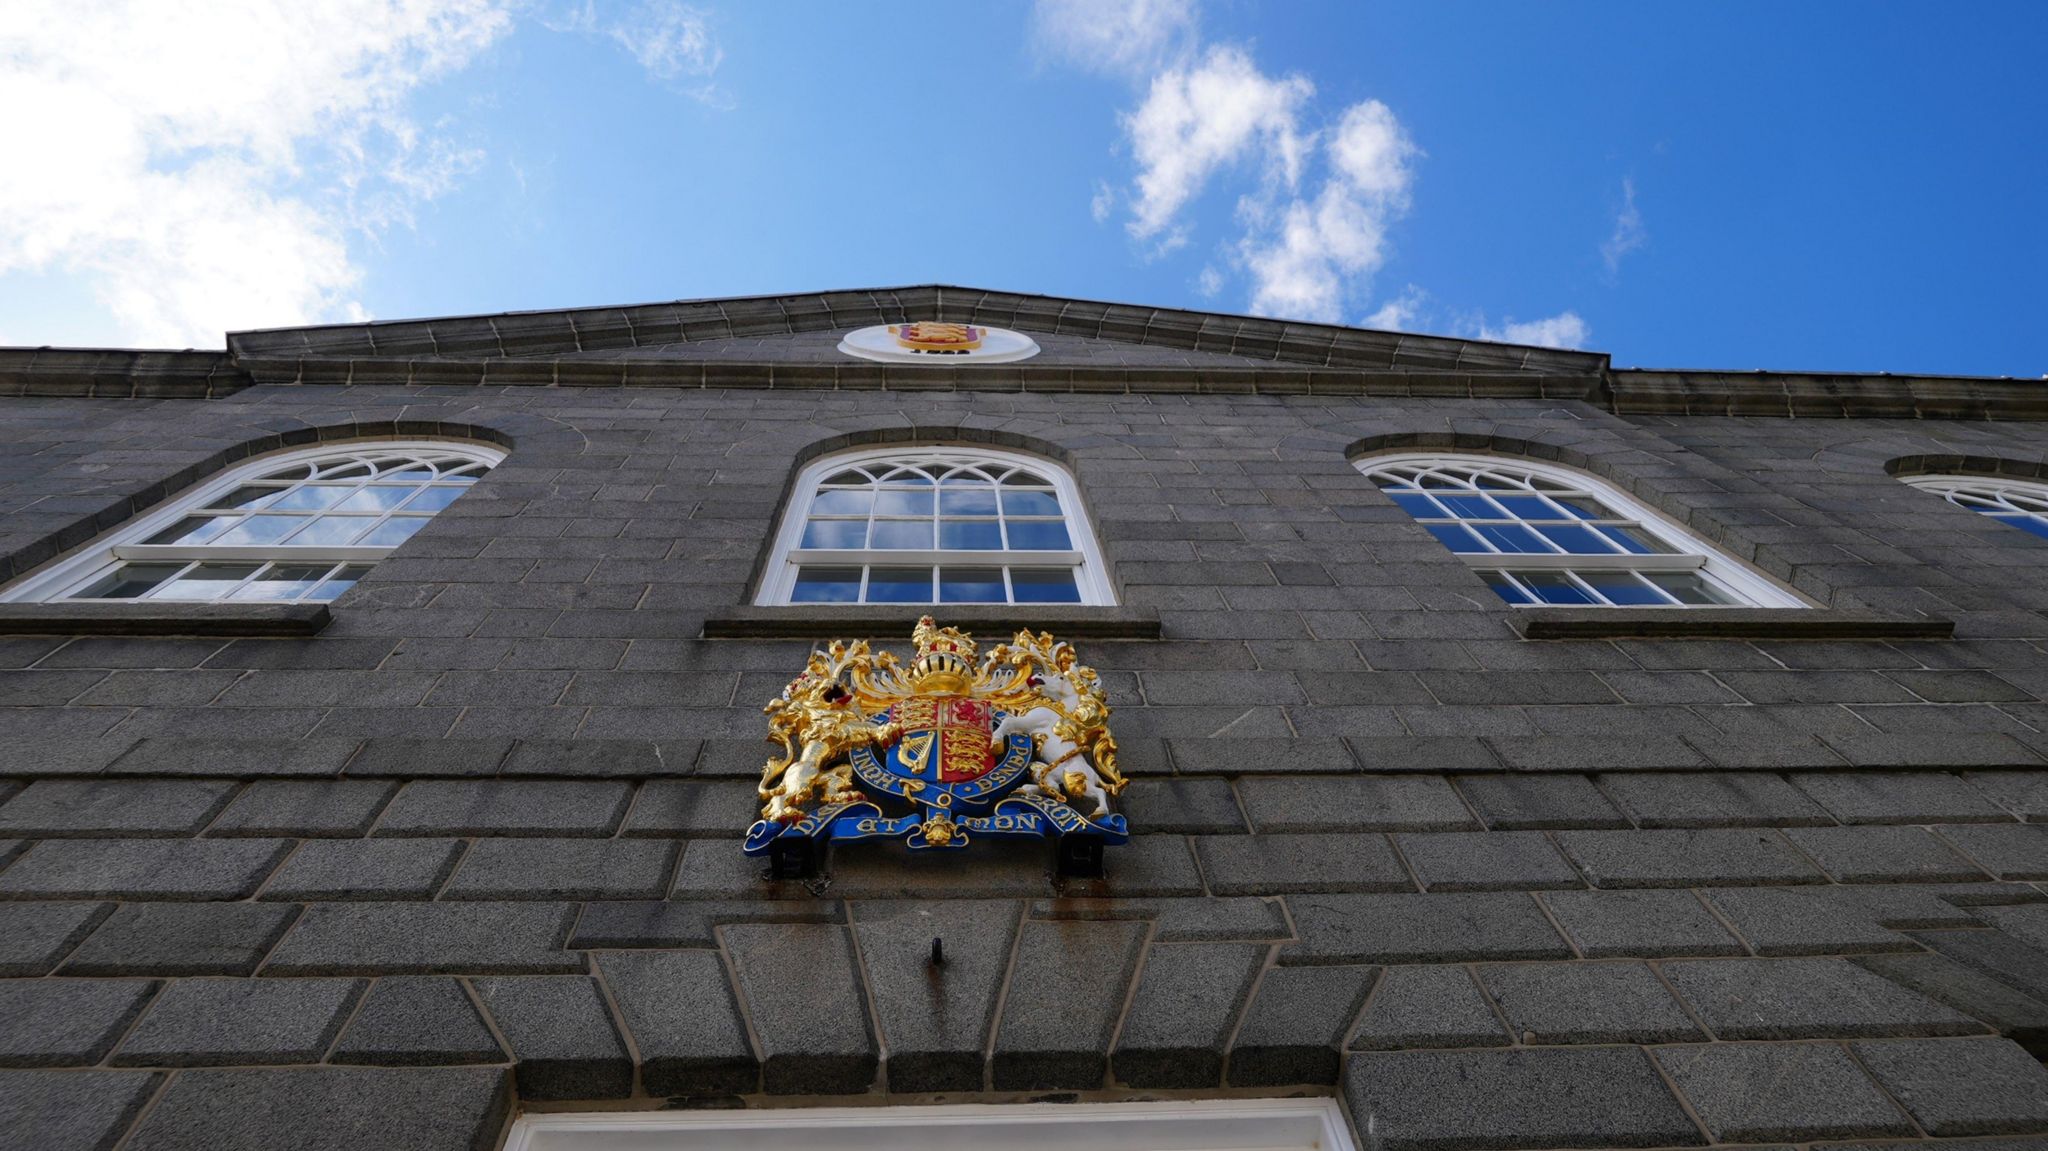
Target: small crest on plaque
{"x":954,"y":747}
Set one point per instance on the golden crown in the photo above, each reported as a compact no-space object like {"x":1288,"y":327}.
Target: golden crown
{"x":945,"y":656}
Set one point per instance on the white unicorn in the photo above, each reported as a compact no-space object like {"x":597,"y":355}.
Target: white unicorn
{"x":1076,"y":755}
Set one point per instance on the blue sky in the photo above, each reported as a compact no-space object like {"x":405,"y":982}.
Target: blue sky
{"x":1839,"y":186}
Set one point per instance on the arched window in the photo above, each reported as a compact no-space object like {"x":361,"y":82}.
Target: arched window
{"x":935,"y":525}
{"x":2021,"y":503}
{"x":1542,"y":535}
{"x":299,"y":526}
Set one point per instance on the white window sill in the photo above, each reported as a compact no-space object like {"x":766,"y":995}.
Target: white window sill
{"x":1186,"y":1125}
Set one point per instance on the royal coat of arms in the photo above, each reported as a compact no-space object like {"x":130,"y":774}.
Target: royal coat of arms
{"x":951,"y":748}
{"x":938,"y":339}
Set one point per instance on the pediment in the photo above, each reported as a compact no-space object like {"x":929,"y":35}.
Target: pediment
{"x":805,"y":330}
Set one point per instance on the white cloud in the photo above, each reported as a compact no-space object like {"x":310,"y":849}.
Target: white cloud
{"x":1206,"y":112}
{"x":203,"y":166}
{"x":1118,"y":37}
{"x":1400,"y":313}
{"x":1199,"y":118}
{"x":675,"y":43}
{"x":1209,"y":282}
{"x":1629,"y":233}
{"x":1305,"y":268}
{"x":1103,"y":202}
{"x":1564,"y":330}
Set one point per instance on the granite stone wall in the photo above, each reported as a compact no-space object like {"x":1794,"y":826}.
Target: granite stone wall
{"x":474,"y":846}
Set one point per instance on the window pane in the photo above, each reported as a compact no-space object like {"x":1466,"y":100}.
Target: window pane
{"x":332,"y":531}
{"x":432,"y":499}
{"x":1418,"y":505}
{"x":903,"y":503}
{"x":971,"y":585}
{"x":128,"y":581}
{"x":1511,"y":538}
{"x":311,"y":498}
{"x":206,"y":581}
{"x":970,"y":535}
{"x":842,"y":503}
{"x":1472,"y":507}
{"x":343,"y":580}
{"x":1586,"y":507}
{"x":1456,"y":538}
{"x":975,"y":501}
{"x":1688,"y":587}
{"x":847,"y":478}
{"x":1043,"y":585}
{"x":1025,"y":502}
{"x":899,"y":585}
{"x":346,"y":471}
{"x":1039,"y":536}
{"x":375,"y":498}
{"x":1553,"y":587}
{"x":834,"y":534}
{"x":826,"y":585}
{"x":2026,"y":524}
{"x":282,"y":582}
{"x":1622,"y":587}
{"x":1530,"y":507}
{"x":1577,"y":540}
{"x":1636,"y":541}
{"x":391,"y":532}
{"x":244,"y":498}
{"x":190,"y":530}
{"x":902,"y":535}
{"x":1504,"y":587}
{"x":258,"y":530}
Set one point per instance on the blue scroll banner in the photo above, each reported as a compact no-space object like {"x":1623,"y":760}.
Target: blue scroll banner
{"x":984,"y":807}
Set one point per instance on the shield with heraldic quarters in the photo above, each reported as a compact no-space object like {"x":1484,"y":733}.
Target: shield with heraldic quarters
{"x":954,"y":746}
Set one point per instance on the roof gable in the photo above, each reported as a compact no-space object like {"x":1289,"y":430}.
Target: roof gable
{"x":758,"y":329}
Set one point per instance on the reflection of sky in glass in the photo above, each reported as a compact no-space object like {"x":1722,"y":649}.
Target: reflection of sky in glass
{"x":281,"y":583}
{"x":899,"y":585}
{"x":331,"y":531}
{"x":1033,"y":586}
{"x":826,"y":585}
{"x":207,"y":581}
{"x":903,"y":503}
{"x":392,"y":532}
{"x":902,"y":534}
{"x":842,"y":503}
{"x":970,"y":535}
{"x":310,"y":499}
{"x":376,"y":498}
{"x":971,"y":585}
{"x":972,"y":502}
{"x":1029,"y":503}
{"x":258,"y":530}
{"x":1039,"y":536}
{"x":840,"y":534}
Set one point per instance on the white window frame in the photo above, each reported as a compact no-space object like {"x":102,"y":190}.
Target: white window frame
{"x":1084,"y":559}
{"x":1994,"y":489}
{"x":1748,"y":586}
{"x":1311,"y":1124}
{"x":57,"y":580}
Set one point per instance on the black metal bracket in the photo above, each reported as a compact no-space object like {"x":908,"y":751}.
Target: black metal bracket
{"x":793,"y":857}
{"x":1079,"y":857}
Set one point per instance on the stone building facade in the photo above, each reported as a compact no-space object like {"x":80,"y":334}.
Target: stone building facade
{"x":462,"y":845}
